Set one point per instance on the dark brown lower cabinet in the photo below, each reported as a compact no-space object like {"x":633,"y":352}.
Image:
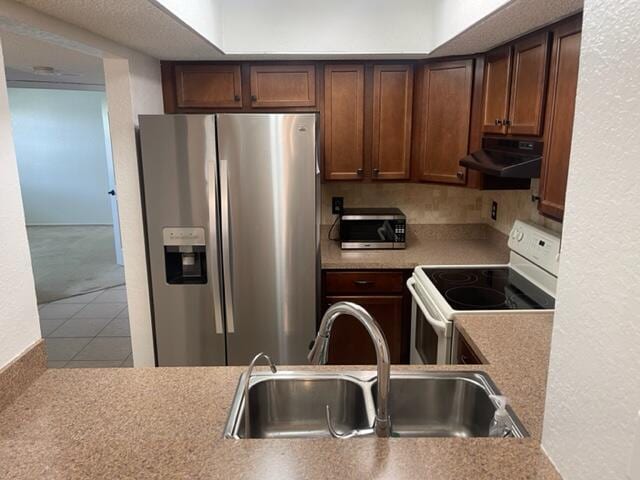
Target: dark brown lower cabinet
{"x":463,"y":354}
{"x":384,"y":296}
{"x":351,"y":344}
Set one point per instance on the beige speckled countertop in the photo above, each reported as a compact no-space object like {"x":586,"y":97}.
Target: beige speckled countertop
{"x":426,"y":245}
{"x":168,"y":422}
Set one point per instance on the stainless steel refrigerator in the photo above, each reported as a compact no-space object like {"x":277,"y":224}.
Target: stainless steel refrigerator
{"x":232,"y":226}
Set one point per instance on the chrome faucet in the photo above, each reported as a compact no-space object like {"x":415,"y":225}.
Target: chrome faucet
{"x":247,"y":381}
{"x":320,"y":350}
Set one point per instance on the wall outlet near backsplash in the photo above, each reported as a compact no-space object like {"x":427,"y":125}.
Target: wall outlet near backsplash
{"x":494,"y":210}
{"x":337,"y":205}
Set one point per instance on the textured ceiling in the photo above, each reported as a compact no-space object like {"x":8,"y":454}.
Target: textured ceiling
{"x":140,"y":25}
{"x":136,"y":24}
{"x":510,"y":21}
{"x":22,"y":52}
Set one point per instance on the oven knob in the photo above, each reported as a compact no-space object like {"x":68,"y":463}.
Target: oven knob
{"x":514,"y":233}
{"x":520,"y":236}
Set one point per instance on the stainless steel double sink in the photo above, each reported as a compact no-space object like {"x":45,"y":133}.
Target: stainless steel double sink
{"x":422,"y":404}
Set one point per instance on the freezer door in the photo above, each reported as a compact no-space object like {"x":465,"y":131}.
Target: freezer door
{"x":179,"y":169}
{"x":268,"y":190}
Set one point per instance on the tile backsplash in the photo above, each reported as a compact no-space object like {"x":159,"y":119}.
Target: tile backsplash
{"x":515,"y":205}
{"x":425,"y":203}
{"x":420,"y":202}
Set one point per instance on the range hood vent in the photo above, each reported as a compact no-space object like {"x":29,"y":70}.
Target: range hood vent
{"x":506,"y":158}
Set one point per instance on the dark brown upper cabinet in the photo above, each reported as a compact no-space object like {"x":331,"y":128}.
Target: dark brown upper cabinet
{"x":208,"y":86}
{"x":495,"y":97}
{"x":343,"y":122}
{"x":275,"y":86}
{"x":514,"y":87}
{"x":392,"y":113}
{"x":561,"y":102}
{"x":526,"y":106}
{"x":444,"y":111}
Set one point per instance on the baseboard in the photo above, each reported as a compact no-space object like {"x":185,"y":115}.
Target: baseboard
{"x":16,"y":376}
{"x":69,"y":224}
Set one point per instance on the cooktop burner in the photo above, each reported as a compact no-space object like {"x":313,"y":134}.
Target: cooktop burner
{"x":488,"y":289}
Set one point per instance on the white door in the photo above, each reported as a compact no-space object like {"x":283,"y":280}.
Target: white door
{"x":112,"y":192}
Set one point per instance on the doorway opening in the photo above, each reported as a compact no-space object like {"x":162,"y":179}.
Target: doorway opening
{"x":63,"y":149}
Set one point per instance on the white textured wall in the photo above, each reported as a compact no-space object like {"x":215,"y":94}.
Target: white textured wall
{"x":593,"y":392}
{"x":452,"y":17}
{"x":329,"y":26}
{"x":60,"y":147}
{"x":19,"y":325}
{"x":133,"y":87}
{"x":203,"y":16}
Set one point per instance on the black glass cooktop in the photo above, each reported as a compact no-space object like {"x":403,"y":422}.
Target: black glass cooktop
{"x":488,"y":289}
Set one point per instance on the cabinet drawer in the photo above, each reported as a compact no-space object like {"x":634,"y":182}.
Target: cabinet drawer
{"x":363,"y":282}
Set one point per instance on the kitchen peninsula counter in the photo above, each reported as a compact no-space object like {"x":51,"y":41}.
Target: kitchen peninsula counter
{"x":168,"y":423}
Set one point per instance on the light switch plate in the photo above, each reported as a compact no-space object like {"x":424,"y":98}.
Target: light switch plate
{"x":634,"y":461}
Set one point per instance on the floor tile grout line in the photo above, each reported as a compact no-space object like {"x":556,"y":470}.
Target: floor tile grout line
{"x":120,"y":285}
{"x":112,"y":303}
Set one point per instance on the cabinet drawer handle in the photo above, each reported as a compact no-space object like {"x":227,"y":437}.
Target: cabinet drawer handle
{"x":364,"y":283}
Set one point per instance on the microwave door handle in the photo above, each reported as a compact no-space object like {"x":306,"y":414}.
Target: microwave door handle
{"x":437,"y":325}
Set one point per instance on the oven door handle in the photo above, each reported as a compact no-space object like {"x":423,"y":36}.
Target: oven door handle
{"x":437,"y":325}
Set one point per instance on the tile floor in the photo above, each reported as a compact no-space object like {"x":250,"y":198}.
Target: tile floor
{"x":88,"y":331}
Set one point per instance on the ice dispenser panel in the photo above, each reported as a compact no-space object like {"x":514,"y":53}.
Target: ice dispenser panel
{"x":185,"y":257}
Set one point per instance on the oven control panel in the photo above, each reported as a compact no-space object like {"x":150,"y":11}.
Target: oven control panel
{"x":538,"y":245}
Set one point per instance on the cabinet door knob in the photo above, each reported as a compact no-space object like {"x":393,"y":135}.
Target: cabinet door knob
{"x":236,"y":98}
{"x":498,"y":121}
{"x":460,"y":174}
{"x":360,"y":172}
{"x":253,"y":98}
{"x":376,"y":171}
{"x":506,"y":122}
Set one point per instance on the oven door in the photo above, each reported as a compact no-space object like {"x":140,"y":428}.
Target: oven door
{"x":430,"y":332}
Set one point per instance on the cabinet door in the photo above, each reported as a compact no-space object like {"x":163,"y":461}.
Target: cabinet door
{"x":495,"y":98}
{"x":351,"y":344}
{"x":446,"y":116}
{"x":464,"y":354}
{"x":283,"y":85}
{"x":563,"y":83}
{"x":392,"y":105}
{"x":208,"y":86}
{"x":343,"y":122}
{"x":526,"y":107}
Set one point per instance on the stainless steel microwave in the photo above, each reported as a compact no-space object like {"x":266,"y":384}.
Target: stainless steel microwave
{"x":372,"y":228}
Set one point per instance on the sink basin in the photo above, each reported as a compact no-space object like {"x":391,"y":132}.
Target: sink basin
{"x":440,"y":405}
{"x":421,"y":404}
{"x":293,"y":406}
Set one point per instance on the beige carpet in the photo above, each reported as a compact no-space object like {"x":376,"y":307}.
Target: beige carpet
{"x":73,"y":260}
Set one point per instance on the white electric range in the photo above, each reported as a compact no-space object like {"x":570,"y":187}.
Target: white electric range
{"x":442,"y":292}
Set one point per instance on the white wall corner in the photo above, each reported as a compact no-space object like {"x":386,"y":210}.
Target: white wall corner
{"x":19,"y":321}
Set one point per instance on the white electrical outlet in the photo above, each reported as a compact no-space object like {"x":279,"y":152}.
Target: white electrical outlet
{"x":634,"y":461}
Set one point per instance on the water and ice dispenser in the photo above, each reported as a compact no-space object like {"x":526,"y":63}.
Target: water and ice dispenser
{"x":185,"y":256}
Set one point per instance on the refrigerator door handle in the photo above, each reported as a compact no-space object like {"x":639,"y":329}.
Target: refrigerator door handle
{"x":225,"y":209}
{"x":213,"y":253}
